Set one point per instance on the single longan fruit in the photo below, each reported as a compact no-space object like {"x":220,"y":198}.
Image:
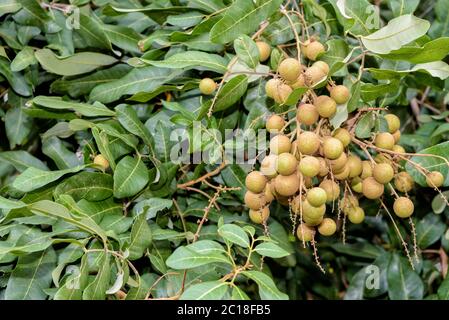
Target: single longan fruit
{"x":398,"y":149}
{"x":403,"y":182}
{"x":332,"y":189}
{"x":343,"y":135}
{"x":316,"y":196}
{"x":348,"y":203}
{"x":207,"y":86}
{"x":356,"y":215}
{"x":286,"y":164}
{"x":394,"y":123}
{"x":312,"y":222}
{"x":340,"y":94}
{"x":403,"y":207}
{"x":255,"y":182}
{"x":286,"y":185}
{"x":322,"y":65}
{"x":327,"y":227}
{"x":313,"y":75}
{"x":372,"y":189}
{"x":434,"y":179}
{"x":259,"y":216}
{"x":311,"y":211}
{"x":275,"y":123}
{"x":343,"y":174}
{"x":300,"y":82}
{"x":254,"y":201}
{"x":101,"y":161}
{"x":338,"y":164}
{"x":268,"y":166}
{"x":367,"y":169}
{"x":308,"y":142}
{"x":268,"y":192}
{"x":305,"y":233}
{"x":383,"y":173}
{"x":307,"y":114}
{"x":280,"y":144}
{"x":332,"y":148}
{"x":289,"y":69}
{"x":324,"y":169}
{"x":384,"y":140}
{"x":355,"y":166}
{"x":382,"y":158}
{"x":272,"y":87}
{"x":326,"y":106}
{"x":264,"y":50}
{"x":314,"y":49}
{"x":309,"y":166}
{"x":396,"y":135}
{"x":282,"y":94}
{"x":356,"y":185}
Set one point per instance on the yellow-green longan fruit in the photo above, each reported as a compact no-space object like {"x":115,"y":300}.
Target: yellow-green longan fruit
{"x":314,"y":49}
{"x":207,"y":86}
{"x":332,"y":148}
{"x":332,"y":189}
{"x":289,"y":69}
{"x":316,"y":196}
{"x":259,"y":216}
{"x":280,"y":144}
{"x":286,"y":185}
{"x":343,"y":135}
{"x":356,"y":215}
{"x":255,"y":182}
{"x":313,"y":75}
{"x":327,"y":227}
{"x":340,"y":94}
{"x":394,"y":123}
{"x":322,"y":65}
{"x":286,"y":164}
{"x":367,"y":169}
{"x":308,"y":142}
{"x":403,"y":207}
{"x":305,"y":233}
{"x":275,"y":123}
{"x":384,"y":140}
{"x":383,"y":173}
{"x":264,"y":50}
{"x":307,"y":114}
{"x":326,"y":106}
{"x":434,"y":179}
{"x":101,"y":161}
{"x":309,"y":166}
{"x":403,"y":182}
{"x":355,"y":166}
{"x":372,"y":189}
{"x":255,"y":201}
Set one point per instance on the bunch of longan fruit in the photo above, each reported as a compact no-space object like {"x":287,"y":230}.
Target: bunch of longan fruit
{"x":318,"y":170}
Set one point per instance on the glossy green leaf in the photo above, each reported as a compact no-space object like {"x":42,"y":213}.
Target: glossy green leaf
{"x":130,"y":177}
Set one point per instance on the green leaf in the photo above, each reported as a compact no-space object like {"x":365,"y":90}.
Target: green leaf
{"x":187,"y":258}
{"x":92,"y":32}
{"x":10,"y":204}
{"x":78,"y":63}
{"x":90,"y":186}
{"x":267,"y":288}
{"x":96,"y":290}
{"x":247,"y":51}
{"x":18,"y":126}
{"x":396,"y":33}
{"x":9,"y":6}
{"x":15,"y":79}
{"x":150,"y":207}
{"x":403,"y":282}
{"x":84,"y":109}
{"x":443,"y":290}
{"x":23,"y":59}
{"x":242,"y":17}
{"x":238,"y":294}
{"x":231,"y":92}
{"x":140,"y":238}
{"x":365,"y":125}
{"x":401,"y":7}
{"x":234,"y":234}
{"x":22,"y":160}
{"x":431,"y":51}
{"x":439,"y":69}
{"x":130,"y":177}
{"x":429,"y":230}
{"x":58,"y":152}
{"x":210,"y":290}
{"x":269,"y":249}
{"x":128,"y":118}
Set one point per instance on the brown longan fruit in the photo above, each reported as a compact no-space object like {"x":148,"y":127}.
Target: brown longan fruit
{"x":316,"y":196}
{"x":338,"y":164}
{"x":289,"y":69}
{"x":372,"y":189}
{"x":307,"y":114}
{"x":326,"y":106}
{"x":434,"y":179}
{"x":322,"y":65}
{"x":355,"y":166}
{"x":259,"y":216}
{"x":403,"y":207}
{"x":280,"y":144}
{"x":356,"y":215}
{"x":268,"y":192}
{"x":367,"y":169}
{"x":305,"y":233}
{"x":254,"y":201}
{"x":286,"y":164}
{"x":332,"y":189}
{"x":282,"y":94}
{"x":255,"y":181}
{"x":340,"y":94}
{"x":313,"y":75}
{"x":327,"y":227}
{"x":275,"y":123}
{"x":324,"y":169}
{"x":382,"y":158}
{"x":207,"y":86}
{"x":300,"y":82}
{"x":313,"y":49}
{"x":309,"y":166}
{"x":384,"y":140}
{"x":268,"y":166}
{"x":396,"y":135}
{"x":101,"y":161}
{"x":383,"y":172}
{"x":307,"y":181}
{"x":308,"y":142}
{"x":343,"y":174}
{"x":403,"y":182}
{"x":272,"y":87}
{"x":343,"y":135}
{"x":394,"y":123}
{"x":264,"y":50}
{"x":332,"y":148}
{"x":348,"y":202}
{"x":286,"y":185}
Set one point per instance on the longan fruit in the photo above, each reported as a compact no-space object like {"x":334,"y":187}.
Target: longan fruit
{"x":343,"y":135}
{"x":311,"y":211}
{"x":327,"y":227}
{"x":275,"y":123}
{"x":259,"y":216}
{"x":340,"y":94}
{"x":403,"y":207}
{"x":349,"y":202}
{"x":332,"y":148}
{"x":384,"y":140}
{"x":308,"y":142}
{"x":286,"y":164}
{"x":289,"y":69}
{"x":300,"y":82}
{"x":255,"y":182}
{"x":309,"y":166}
{"x":312,"y":222}
{"x":367,"y":169}
{"x":254,"y":201}
{"x":326,"y":106}
{"x":307,"y":114}
{"x":268,"y":192}
{"x":286,"y":185}
{"x":316,"y":196}
{"x":324,"y":169}
{"x":356,"y":215}
{"x":394,"y":123}
{"x":313,"y":49}
{"x":434,"y":179}
{"x":403,"y":182}
{"x":372,"y":189}
{"x":398,"y":148}
{"x":305,"y":233}
{"x":282,"y":94}
{"x":382,"y":158}
{"x":338,"y":164}
{"x":280,"y":144}
{"x":355,"y":166}
{"x":322,"y":65}
{"x":383,"y":172}
{"x":356,"y":185}
{"x":272,"y":87}
{"x":207,"y":86}
{"x":307,"y":181}
{"x":101,"y":161}
{"x":332,"y":189}
{"x":396,"y":135}
{"x":313,"y":75}
{"x":343,"y":174}
{"x":264,"y":50}
{"x":268,"y":166}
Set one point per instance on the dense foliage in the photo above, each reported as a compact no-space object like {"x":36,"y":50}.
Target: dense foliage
{"x":117,"y":116}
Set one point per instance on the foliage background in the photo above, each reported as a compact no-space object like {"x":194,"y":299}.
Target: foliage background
{"x":125,"y":78}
